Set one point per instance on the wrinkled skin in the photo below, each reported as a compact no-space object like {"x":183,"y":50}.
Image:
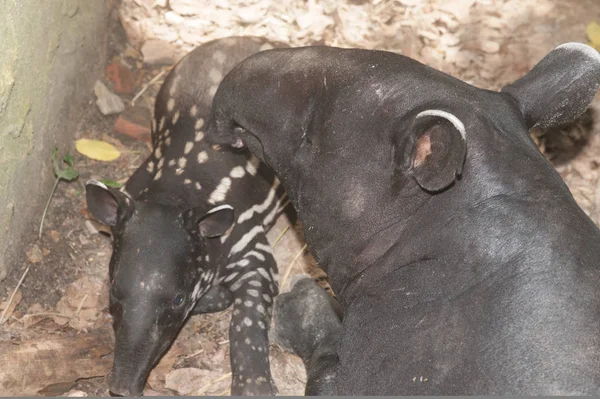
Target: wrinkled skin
{"x":462,"y":262}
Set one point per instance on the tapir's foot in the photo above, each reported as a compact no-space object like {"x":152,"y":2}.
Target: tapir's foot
{"x":305,"y":319}
{"x":216,"y":299}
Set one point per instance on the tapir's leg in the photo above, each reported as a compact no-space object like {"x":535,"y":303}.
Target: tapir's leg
{"x":254,"y":288}
{"x":306,"y":322}
{"x":216,"y":299}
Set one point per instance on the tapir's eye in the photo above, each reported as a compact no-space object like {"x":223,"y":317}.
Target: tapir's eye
{"x":177,"y":300}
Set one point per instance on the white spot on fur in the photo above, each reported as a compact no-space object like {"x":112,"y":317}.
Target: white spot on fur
{"x":220,"y":193}
{"x":157,"y":153}
{"x":150,"y":167}
{"x":166,"y":133}
{"x":175,"y":118}
{"x":231,"y":277}
{"x":260,"y":309}
{"x":260,"y":208}
{"x":237,"y":172}
{"x":187,"y":181}
{"x":160,"y":164}
{"x":263,"y":247}
{"x":170,"y":104}
{"x":153,"y":125}
{"x":235,"y":286}
{"x":248,"y":303}
{"x":252,"y":165}
{"x":188,"y":147}
{"x":197,"y":185}
{"x":181,"y":162}
{"x":264,"y":273}
{"x":168,"y":141}
{"x":252,"y":292}
{"x":257,"y":255}
{"x":193,"y":111}
{"x":158,"y":174}
{"x":199,"y":136}
{"x":161,"y":124}
{"x":267,"y":298}
{"x":245,"y":240}
{"x":202,"y":157}
{"x":247,"y":321}
{"x":172,"y":162}
{"x":261,"y":325}
{"x":199,"y":124}
{"x":446,"y":115}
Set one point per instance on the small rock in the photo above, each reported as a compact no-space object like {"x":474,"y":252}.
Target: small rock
{"x":189,"y":380}
{"x":135,"y":123}
{"x":121,"y":77}
{"x":490,"y":47}
{"x":108,"y":102}
{"x":250,"y":15}
{"x":158,"y":52}
{"x":54,"y":236}
{"x":91,"y":228}
{"x":74,"y":393}
{"x":34,"y":254}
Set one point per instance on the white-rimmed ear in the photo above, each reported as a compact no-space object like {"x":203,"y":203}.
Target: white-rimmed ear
{"x":107,"y":205}
{"x":433,"y":149}
{"x":559,"y":88}
{"x":213,"y":223}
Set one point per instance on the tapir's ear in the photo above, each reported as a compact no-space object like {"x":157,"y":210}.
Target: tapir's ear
{"x":107,"y":204}
{"x":560,"y":87}
{"x":434,"y":149}
{"x":211,"y":224}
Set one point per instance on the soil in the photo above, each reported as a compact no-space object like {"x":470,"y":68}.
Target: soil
{"x":489,"y":44}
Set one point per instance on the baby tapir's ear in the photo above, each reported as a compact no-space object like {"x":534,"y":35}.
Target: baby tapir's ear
{"x":560,"y":87}
{"x":434,"y":149}
{"x":211,"y":224}
{"x":107,"y":204}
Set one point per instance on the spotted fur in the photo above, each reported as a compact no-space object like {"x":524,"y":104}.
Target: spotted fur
{"x":183,"y":173}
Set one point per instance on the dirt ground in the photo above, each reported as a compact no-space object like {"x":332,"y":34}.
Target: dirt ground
{"x":64,"y":293}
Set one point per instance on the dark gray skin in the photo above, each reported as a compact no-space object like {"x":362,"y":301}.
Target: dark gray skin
{"x":172,"y":257}
{"x":462,"y":262}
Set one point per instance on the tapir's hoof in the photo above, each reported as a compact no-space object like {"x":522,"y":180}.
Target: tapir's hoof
{"x":304,"y":318}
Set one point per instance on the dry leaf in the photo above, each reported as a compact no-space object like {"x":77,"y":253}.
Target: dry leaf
{"x":593,"y":33}
{"x":98,"y":150}
{"x":12,"y":306}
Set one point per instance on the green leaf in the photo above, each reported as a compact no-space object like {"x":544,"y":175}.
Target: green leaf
{"x":68,"y":174}
{"x":111,"y":183}
{"x":68,"y":158}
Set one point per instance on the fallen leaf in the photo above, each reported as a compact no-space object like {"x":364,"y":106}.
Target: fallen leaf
{"x":96,"y":149}
{"x":55,"y":236}
{"x":12,"y":306}
{"x":593,"y":33}
{"x":34,"y":254}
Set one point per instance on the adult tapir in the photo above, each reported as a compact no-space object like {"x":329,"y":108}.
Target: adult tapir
{"x":189,"y":232}
{"x":462,"y":262}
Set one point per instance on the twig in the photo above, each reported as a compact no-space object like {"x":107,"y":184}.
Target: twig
{"x":280,"y":236}
{"x":194,"y":354}
{"x":80,"y":305}
{"x":150,"y":83}
{"x":291,"y":266}
{"x":205,"y":387}
{"x":13,"y":296}
{"x":47,"y":205}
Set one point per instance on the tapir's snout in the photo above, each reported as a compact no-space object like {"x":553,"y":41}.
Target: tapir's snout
{"x":124,"y":384}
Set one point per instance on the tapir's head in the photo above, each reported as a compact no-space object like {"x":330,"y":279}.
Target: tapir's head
{"x":160,"y":267}
{"x":321,"y":108}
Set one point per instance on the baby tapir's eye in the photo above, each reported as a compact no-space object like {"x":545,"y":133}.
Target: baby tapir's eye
{"x":177,"y":300}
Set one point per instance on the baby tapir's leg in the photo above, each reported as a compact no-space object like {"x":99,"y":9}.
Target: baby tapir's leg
{"x":307,"y":322}
{"x":216,"y":299}
{"x":253,"y":281}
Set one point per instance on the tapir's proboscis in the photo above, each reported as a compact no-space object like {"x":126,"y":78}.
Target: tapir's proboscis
{"x":461,"y":259}
{"x":189,"y":233}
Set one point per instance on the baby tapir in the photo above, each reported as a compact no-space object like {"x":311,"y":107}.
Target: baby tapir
{"x":179,"y":246}
{"x":462,"y":262}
